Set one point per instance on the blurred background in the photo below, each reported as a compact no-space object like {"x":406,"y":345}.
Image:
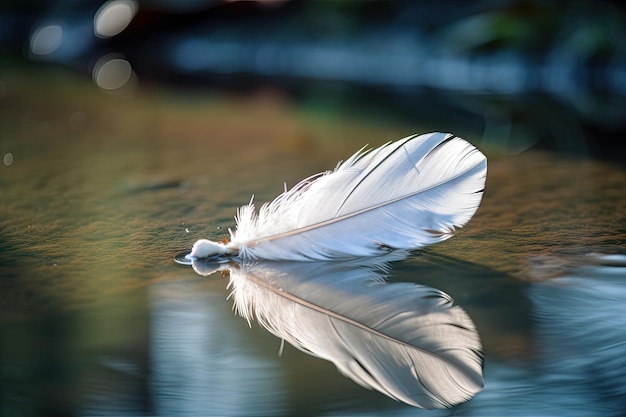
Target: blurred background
{"x":129,"y":129}
{"x":516,"y":73}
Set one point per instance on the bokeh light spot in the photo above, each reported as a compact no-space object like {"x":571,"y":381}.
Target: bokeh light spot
{"x":8,"y":159}
{"x":113,"y":17}
{"x":46,"y":39}
{"x":112,"y":72}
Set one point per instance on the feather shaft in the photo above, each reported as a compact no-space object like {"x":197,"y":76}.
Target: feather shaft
{"x":356,"y":213}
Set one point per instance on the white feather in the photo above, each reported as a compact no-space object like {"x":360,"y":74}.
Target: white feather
{"x":403,"y":195}
{"x":407,"y":341}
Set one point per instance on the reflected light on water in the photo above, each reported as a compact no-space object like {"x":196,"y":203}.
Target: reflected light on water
{"x":46,"y":39}
{"x":113,"y":17}
{"x":580,"y":321}
{"x":199,"y":370}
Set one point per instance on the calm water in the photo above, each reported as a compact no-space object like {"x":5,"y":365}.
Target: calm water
{"x":98,"y":194}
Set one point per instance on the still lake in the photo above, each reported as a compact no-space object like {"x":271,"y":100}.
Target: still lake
{"x":98,"y":194}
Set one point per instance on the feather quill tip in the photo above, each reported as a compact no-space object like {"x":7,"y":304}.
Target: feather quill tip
{"x":205,"y":248}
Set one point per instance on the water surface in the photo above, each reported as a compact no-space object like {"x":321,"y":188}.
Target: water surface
{"x":99,"y":194}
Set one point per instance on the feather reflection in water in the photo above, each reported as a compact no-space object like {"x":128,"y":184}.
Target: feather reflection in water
{"x":405,"y":340}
